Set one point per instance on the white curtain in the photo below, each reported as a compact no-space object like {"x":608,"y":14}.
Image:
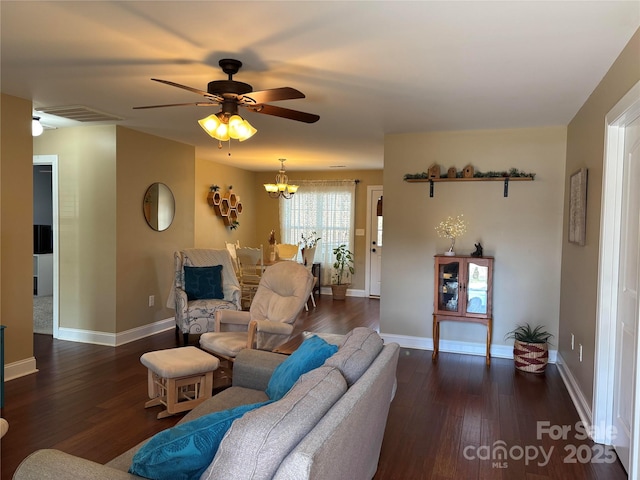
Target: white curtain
{"x":326,"y":207}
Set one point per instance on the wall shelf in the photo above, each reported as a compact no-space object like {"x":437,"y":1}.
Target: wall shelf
{"x":227,"y":206}
{"x":505,"y":180}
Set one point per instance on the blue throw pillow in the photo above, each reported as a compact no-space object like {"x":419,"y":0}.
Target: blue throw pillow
{"x":203,"y":282}
{"x":185,"y":451}
{"x":311,"y":354}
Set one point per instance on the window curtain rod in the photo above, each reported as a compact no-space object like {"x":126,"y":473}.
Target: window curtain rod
{"x":328,"y":183}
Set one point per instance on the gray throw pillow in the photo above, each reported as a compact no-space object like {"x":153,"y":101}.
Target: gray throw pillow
{"x":360,"y":348}
{"x":256,"y":444}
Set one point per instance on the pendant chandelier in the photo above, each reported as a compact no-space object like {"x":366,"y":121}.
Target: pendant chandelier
{"x":281,"y":188}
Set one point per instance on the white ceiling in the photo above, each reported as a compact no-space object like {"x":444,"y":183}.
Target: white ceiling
{"x":367,"y":68}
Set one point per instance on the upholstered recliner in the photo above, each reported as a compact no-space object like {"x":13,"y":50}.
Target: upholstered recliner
{"x":198,"y":315}
{"x":283,"y":290}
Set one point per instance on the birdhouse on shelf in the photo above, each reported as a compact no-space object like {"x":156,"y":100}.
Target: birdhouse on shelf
{"x":434,"y":171}
{"x":468,"y":171}
{"x":451,"y":173}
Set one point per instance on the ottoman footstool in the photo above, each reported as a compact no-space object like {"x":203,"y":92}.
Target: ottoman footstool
{"x":179,"y":378}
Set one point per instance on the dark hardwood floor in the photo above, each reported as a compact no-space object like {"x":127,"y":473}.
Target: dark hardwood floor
{"x":444,"y":421}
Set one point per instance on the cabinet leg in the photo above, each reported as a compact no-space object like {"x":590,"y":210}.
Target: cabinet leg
{"x":489,"y":342}
{"x":436,"y":338}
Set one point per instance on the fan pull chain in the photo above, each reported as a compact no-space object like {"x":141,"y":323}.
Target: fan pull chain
{"x":220,"y":146}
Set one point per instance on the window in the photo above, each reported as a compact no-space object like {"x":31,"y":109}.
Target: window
{"x":326,"y":207}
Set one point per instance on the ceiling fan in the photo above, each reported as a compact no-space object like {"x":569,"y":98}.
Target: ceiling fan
{"x":231,"y":94}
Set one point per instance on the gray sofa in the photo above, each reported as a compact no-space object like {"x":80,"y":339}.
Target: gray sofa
{"x":329,"y":426}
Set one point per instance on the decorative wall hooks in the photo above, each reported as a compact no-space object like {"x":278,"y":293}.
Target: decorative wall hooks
{"x":227,"y":206}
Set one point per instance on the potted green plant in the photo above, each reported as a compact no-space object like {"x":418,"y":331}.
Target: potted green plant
{"x":530,"y":349}
{"x":342,"y":270}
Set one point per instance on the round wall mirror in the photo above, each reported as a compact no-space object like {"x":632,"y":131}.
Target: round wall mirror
{"x":159,"y":206}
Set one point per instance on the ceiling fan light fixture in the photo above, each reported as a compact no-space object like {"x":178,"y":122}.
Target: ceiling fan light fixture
{"x":247,"y":131}
{"x":222,"y":128}
{"x":240,"y":129}
{"x":210,"y":124}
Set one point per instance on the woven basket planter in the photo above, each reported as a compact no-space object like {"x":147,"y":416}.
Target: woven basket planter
{"x":339,"y":291}
{"x":530,"y":357}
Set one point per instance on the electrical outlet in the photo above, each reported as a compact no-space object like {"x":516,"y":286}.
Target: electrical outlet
{"x":580,"y":352}
{"x":572,"y":341}
{"x":152,"y":300}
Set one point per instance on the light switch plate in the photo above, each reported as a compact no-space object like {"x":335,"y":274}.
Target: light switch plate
{"x":359,"y":232}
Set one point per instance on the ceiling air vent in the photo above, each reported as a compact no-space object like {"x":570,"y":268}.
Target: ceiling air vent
{"x":79,"y":113}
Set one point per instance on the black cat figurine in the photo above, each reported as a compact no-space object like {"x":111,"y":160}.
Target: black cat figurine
{"x":478,"y":252}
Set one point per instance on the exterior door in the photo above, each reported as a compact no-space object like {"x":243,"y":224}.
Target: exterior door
{"x":629,"y":284}
{"x":375,"y":236}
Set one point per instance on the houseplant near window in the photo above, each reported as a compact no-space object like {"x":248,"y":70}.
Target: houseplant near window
{"x":342,"y":269}
{"x":530,"y":349}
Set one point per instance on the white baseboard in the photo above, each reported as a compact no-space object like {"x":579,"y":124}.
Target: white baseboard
{"x":452,"y":346}
{"x":20,"y":368}
{"x":115,"y":339}
{"x":579,"y":401}
{"x":145,"y":331}
{"x":351,"y":292}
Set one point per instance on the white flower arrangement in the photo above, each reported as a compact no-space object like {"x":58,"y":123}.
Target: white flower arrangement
{"x":452,"y":228}
{"x":309,"y":241}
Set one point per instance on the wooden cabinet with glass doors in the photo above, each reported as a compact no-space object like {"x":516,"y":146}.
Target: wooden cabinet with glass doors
{"x":463,"y":288}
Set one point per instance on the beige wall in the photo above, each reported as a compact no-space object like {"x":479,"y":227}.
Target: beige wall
{"x":16,"y":231}
{"x":87,"y":224}
{"x":268,"y":217}
{"x":110,"y":260}
{"x":210,"y":231}
{"x":144,"y":257}
{"x":523,"y":231}
{"x":585,"y":148}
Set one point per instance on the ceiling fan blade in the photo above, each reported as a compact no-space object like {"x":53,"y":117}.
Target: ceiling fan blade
{"x":196,"y":104}
{"x":285,"y":113}
{"x":184,"y":87}
{"x":271,"y":95}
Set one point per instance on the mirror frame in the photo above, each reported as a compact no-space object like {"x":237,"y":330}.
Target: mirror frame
{"x":159,"y":206}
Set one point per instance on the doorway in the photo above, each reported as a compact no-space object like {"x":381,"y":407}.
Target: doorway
{"x":374,"y":240}
{"x":616,"y":398}
{"x":49,"y":265}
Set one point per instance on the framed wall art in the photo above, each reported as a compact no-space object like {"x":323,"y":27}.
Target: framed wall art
{"x":578,"y":207}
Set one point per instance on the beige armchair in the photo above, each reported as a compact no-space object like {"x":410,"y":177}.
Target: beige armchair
{"x":198,"y":315}
{"x":4,"y":426}
{"x":282,"y":293}
{"x":251,"y":266}
{"x":308,"y":254}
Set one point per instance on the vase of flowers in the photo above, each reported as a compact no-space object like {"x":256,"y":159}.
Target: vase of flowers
{"x":272,"y":246}
{"x":452,"y":228}
{"x":308,"y":245}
